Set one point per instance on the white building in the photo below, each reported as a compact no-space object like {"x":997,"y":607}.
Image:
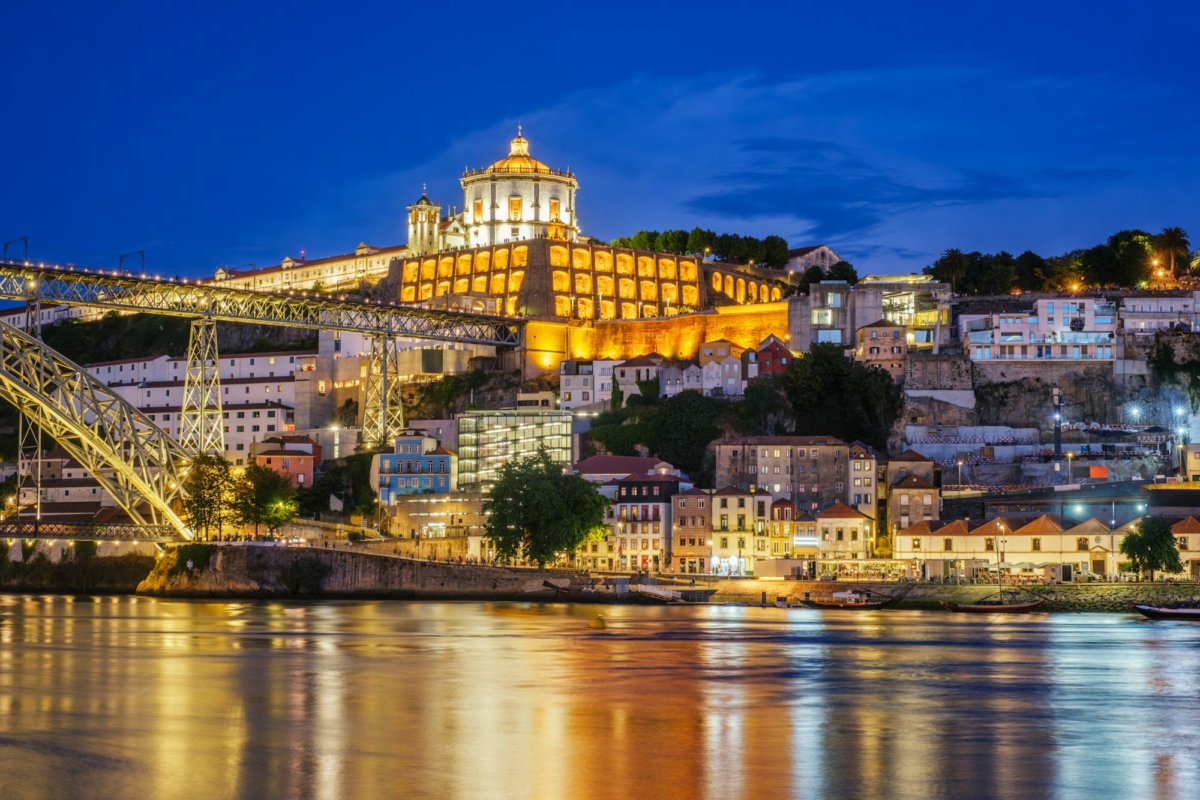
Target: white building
{"x":1058,"y":328}
{"x":1158,"y":313}
{"x":722,"y":377}
{"x":801,"y":258}
{"x":585,"y":384}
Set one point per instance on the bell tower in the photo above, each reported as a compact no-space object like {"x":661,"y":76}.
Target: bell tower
{"x":423,"y":219}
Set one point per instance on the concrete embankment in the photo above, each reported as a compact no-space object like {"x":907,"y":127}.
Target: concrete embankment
{"x":99,"y":575}
{"x":264,"y":571}
{"x":1066,"y":597}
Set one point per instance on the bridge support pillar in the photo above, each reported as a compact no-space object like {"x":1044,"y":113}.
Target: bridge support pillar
{"x":201,"y":425}
{"x":383,"y":416}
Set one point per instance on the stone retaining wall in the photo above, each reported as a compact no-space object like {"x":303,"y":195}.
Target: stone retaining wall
{"x":267,"y":571}
{"x":1065,"y":597}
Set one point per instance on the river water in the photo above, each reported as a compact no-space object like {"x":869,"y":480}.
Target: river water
{"x":121,"y":697}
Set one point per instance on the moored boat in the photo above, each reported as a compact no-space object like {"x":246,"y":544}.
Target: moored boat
{"x":986,"y":606}
{"x":851,"y":601}
{"x":1167,"y":612}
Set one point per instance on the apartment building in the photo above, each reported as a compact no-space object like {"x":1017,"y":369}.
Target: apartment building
{"x":585,"y":384}
{"x":691,"y":548}
{"x":883,"y":344}
{"x":1055,"y":328}
{"x":812,"y":471}
{"x":416,"y":465}
{"x":844,"y":533}
{"x":639,"y":523}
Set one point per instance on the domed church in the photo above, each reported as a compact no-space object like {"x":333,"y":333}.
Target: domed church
{"x":515,"y":199}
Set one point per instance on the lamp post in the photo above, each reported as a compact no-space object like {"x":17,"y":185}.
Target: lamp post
{"x":1070,"y":457}
{"x":960,"y":465}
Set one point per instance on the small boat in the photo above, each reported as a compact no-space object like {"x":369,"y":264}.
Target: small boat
{"x":1167,"y":612}
{"x":851,"y":601}
{"x":990,"y":606}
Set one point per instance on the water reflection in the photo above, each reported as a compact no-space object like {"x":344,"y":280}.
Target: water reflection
{"x":125,"y":697}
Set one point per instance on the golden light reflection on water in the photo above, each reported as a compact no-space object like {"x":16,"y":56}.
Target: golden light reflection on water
{"x":117,"y":697}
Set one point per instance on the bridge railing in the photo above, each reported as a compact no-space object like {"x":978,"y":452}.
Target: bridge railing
{"x":89,"y":530}
{"x":126,"y":292}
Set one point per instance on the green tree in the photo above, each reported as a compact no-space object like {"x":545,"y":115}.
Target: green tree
{"x":763,"y":409}
{"x":701,"y":242}
{"x":209,"y":492}
{"x":813,"y":274}
{"x":995,"y":274}
{"x":1152,"y":548}
{"x":672,"y":242}
{"x":644,"y":240}
{"x":683,"y":426}
{"x":537,"y":511}
{"x":775,"y":252}
{"x":618,"y":397}
{"x":950,"y":268}
{"x":1172,"y":243}
{"x":347,"y":415}
{"x":843,"y":271}
{"x":829,"y":394}
{"x":1101,"y":266}
{"x":1032,"y":272}
{"x":264,"y":497}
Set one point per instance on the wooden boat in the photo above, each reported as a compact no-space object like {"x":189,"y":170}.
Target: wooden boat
{"x":987,"y":606}
{"x":851,"y":601}
{"x":1167,"y":612}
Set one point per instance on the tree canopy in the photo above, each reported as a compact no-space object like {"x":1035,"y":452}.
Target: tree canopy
{"x":537,"y":511}
{"x":264,"y":497}
{"x":209,"y":495}
{"x":830,"y":394}
{"x":1152,"y":548}
{"x":770,"y":251}
{"x":1127,"y":259}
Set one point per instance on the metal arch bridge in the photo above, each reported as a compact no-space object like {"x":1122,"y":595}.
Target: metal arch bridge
{"x":133,"y":459}
{"x":197,"y":300}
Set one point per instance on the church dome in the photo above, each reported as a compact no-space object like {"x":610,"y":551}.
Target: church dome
{"x":518,"y":160}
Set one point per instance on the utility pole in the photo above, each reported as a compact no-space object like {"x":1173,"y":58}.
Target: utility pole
{"x":24,"y":240}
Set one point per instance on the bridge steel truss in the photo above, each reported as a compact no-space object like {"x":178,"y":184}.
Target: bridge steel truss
{"x":89,"y":530}
{"x":203,"y":300}
{"x":201,"y":424}
{"x":133,"y":459}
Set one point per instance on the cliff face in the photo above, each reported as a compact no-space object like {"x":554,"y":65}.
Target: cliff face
{"x":264,"y":571}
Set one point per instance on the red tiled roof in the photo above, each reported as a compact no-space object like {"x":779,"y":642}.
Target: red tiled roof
{"x":913,"y":482}
{"x":289,"y":453}
{"x":840,"y":510}
{"x":881,"y":323}
{"x":1186,"y":525}
{"x":441,"y":451}
{"x":786,"y":440}
{"x":601,"y":465}
{"x":911,"y":455}
{"x":803,"y":251}
{"x":693,"y":492}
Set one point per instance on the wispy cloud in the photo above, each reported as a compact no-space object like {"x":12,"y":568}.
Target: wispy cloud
{"x":891,"y":167}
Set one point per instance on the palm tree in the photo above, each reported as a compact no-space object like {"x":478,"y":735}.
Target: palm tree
{"x":1172,"y":242}
{"x":954,"y":266}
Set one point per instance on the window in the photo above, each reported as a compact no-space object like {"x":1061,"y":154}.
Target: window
{"x":1081,"y":543}
{"x":682,"y":503}
{"x":989,"y":545}
{"x":916,"y":544}
{"x":1035,"y":544}
{"x":1183,"y":543}
{"x":514,"y":209}
{"x":947,"y":545}
{"x":554,"y":212}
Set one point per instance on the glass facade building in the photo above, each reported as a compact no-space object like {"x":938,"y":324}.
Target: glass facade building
{"x":488,"y":439}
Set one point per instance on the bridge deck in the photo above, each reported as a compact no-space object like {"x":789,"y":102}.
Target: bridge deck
{"x":127,"y":292}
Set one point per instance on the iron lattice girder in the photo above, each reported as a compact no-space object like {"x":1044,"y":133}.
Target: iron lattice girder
{"x":201,"y":425}
{"x":133,"y":459}
{"x":383,"y":415}
{"x":240,"y":305}
{"x":88,"y":530}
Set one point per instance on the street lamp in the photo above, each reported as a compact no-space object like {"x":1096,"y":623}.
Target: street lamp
{"x":960,"y":463}
{"x":1070,"y":457}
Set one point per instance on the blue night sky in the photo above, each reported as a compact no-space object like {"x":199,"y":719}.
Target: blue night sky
{"x":216,"y":133}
